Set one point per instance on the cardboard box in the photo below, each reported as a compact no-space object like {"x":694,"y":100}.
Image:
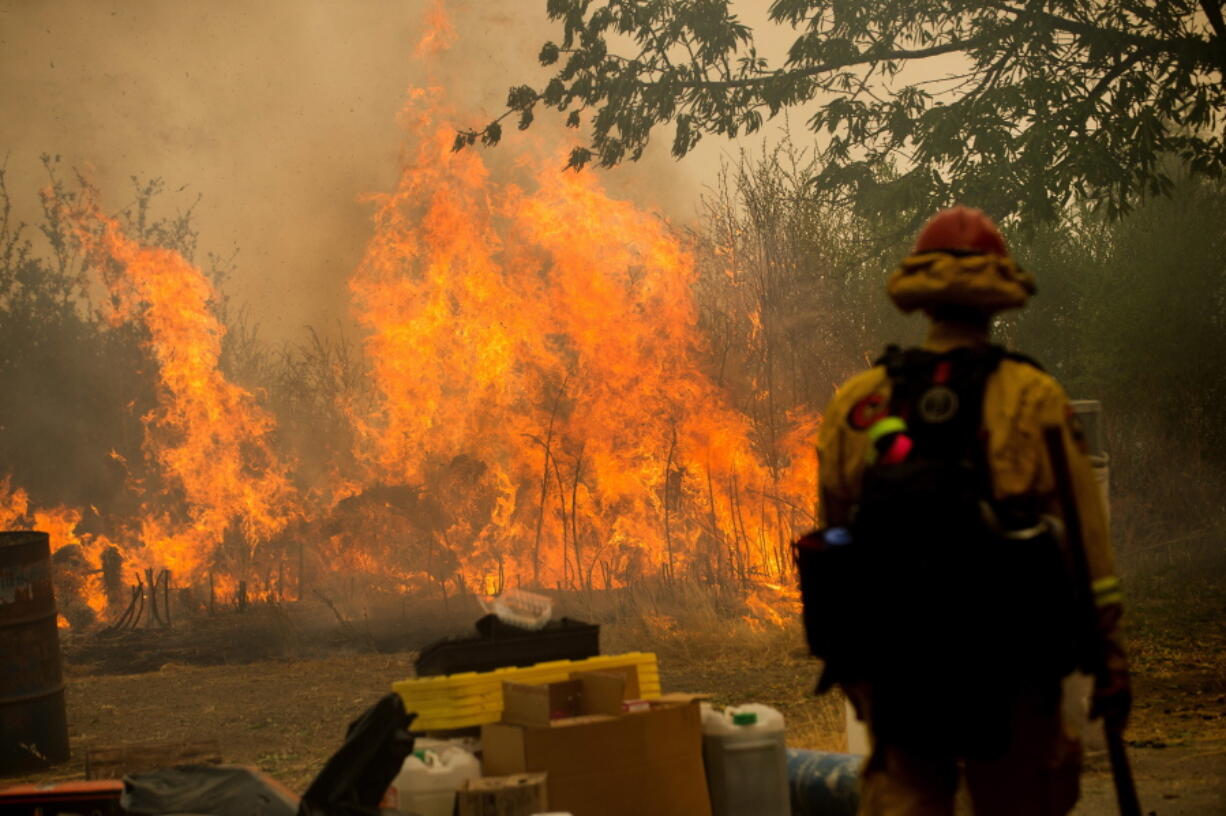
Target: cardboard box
{"x":586,"y":693}
{"x":515,"y":795}
{"x":630,"y":678}
{"x":646,"y":763}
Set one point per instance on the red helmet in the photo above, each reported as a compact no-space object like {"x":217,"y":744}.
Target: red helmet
{"x":961,"y":260}
{"x":960,"y":230}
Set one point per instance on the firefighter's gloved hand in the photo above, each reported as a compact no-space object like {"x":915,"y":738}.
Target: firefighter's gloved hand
{"x":1113,"y":689}
{"x":1113,"y":699}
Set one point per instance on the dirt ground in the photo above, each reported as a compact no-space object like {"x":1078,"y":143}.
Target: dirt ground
{"x":287,"y":714}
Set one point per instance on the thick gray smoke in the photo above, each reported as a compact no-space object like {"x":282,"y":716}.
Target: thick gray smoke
{"x":280,"y":115}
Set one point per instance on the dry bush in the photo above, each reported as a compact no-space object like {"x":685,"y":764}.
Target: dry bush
{"x":1167,"y":507}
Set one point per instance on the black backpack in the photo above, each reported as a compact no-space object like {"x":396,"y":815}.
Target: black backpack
{"x":946,"y":603}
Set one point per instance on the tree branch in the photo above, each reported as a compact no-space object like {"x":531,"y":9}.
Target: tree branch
{"x":850,"y":62}
{"x":1089,"y":29}
{"x":1213,"y":11}
{"x":1120,"y":67}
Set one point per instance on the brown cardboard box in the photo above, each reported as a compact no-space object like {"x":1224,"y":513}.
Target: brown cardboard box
{"x":647,"y":763}
{"x":602,"y":692}
{"x":538,"y":704}
{"x":515,"y":795}
{"x":629,"y":674}
{"x":584,"y":694}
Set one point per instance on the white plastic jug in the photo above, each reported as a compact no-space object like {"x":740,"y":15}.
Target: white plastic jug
{"x":428,"y":781}
{"x":746,"y":758}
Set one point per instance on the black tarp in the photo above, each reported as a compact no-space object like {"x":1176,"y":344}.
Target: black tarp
{"x":212,"y":790}
{"x":351,"y":783}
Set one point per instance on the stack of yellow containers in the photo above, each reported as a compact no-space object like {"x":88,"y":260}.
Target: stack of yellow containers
{"x":475,"y":698}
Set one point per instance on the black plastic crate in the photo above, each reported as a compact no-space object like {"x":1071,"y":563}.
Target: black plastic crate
{"x":499,"y":644}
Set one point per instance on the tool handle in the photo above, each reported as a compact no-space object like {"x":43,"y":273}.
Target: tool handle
{"x":1121,"y":771}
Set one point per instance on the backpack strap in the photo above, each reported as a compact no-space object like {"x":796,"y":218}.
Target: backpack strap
{"x":940,"y":398}
{"x":892,"y":358}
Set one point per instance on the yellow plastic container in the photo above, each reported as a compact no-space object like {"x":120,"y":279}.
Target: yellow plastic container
{"x":475,"y":698}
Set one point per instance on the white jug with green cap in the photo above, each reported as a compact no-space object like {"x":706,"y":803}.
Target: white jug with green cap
{"x":746,"y":758}
{"x":428,"y":780}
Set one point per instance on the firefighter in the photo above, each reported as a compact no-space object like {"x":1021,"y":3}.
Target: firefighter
{"x":960,"y":275}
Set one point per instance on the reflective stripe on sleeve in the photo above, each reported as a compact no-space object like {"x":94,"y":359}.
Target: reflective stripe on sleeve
{"x":1107,"y":591}
{"x":888,"y":425}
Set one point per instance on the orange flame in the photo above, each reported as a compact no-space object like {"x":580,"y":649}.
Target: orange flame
{"x":14,"y":503}
{"x":543,"y":413}
{"x":772,"y":605}
{"x":60,"y":524}
{"x":439,"y":34}
{"x":208,"y":437}
{"x":537,"y":341}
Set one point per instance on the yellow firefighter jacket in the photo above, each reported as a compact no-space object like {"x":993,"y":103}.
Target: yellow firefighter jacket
{"x":1019,"y":402}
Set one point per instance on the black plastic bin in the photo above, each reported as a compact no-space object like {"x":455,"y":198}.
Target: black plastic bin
{"x":500,"y":644}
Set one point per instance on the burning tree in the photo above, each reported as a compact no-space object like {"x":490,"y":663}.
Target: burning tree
{"x":549,"y":334}
{"x":541,"y":410}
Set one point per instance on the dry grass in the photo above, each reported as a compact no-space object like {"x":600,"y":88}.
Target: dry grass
{"x":1169,"y":522}
{"x":1176,"y":640}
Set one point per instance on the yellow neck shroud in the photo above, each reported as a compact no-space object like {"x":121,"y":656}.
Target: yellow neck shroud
{"x":987,"y":283}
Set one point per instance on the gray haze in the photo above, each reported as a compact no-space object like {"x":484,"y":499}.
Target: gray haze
{"x":280,"y":114}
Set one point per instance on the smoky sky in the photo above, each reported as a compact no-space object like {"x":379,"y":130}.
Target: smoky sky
{"x":279,"y":115}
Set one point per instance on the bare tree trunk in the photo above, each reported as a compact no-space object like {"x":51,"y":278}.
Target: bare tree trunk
{"x":738,"y":522}
{"x":557,"y":472}
{"x":715,"y":531}
{"x":574,"y":521}
{"x":540,"y":517}
{"x":668,"y":480}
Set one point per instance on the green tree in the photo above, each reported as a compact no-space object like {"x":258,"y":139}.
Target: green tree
{"x":1131,"y":311}
{"x":1052,"y":99}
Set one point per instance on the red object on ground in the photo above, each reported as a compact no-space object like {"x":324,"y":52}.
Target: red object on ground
{"x":100,"y":796}
{"x":960,"y":229}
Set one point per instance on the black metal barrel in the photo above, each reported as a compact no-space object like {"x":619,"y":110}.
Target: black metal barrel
{"x":33,"y":724}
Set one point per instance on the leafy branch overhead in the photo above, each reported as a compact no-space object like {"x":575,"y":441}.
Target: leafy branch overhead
{"x":1022,"y":103}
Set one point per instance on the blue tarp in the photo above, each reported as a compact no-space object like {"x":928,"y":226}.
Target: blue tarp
{"x":824,"y":784}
